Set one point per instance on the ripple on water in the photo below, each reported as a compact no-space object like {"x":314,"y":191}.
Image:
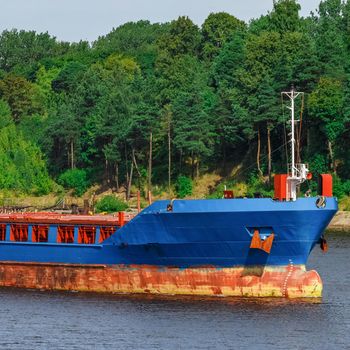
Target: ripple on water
{"x":45,"y":320}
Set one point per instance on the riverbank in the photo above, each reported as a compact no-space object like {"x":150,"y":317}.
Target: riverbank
{"x":201,"y":189}
{"x":340,"y":222}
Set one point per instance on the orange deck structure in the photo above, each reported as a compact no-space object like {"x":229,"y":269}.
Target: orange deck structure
{"x":54,"y":218}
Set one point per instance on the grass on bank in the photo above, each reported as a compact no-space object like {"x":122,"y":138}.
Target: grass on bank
{"x":74,"y":189}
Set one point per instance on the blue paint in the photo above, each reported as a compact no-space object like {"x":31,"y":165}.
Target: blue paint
{"x":98,"y":233}
{"x":76,"y":233}
{"x":195,"y":233}
{"x":52,"y":234}
{"x":8,"y":232}
{"x":30,"y":233}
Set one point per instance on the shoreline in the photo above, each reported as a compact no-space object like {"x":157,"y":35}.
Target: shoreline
{"x":340,"y":222}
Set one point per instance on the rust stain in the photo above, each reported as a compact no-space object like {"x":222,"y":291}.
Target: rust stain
{"x":203,"y":281}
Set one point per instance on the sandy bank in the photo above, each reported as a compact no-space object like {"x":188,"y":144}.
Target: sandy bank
{"x":340,"y":222}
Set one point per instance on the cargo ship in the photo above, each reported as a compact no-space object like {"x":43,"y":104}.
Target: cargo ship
{"x":247,"y":247}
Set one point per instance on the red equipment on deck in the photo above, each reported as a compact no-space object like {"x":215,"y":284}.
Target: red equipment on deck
{"x":325,"y":185}
{"x":280,"y":182}
{"x":228,"y":194}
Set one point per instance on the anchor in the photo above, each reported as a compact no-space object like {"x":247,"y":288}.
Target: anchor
{"x":323,"y":244}
{"x":258,"y":243}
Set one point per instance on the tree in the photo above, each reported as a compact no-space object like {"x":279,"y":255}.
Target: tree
{"x":301,"y":65}
{"x":63,"y":130}
{"x":285,"y":16}
{"x":105,"y":110}
{"x":5,"y":114}
{"x":268,"y":112}
{"x":227,"y":66}
{"x":264,"y":60}
{"x":193,"y":128}
{"x":132,"y":39}
{"x":21,"y":95}
{"x":68,"y":78}
{"x":331,"y":46}
{"x":326,"y":105}
{"x":147,"y":102}
{"x":26,"y":170}
{"x":44,"y":78}
{"x":231,"y":119}
{"x":20,"y":50}
{"x":182,"y":38}
{"x":218,"y":29}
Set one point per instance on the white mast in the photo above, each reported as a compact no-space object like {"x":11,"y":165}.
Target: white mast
{"x":297,"y":173}
{"x":292,"y":97}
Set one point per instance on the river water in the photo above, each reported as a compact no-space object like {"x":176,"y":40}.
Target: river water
{"x":45,"y":320}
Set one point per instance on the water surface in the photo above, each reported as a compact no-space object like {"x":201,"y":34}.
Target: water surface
{"x":45,"y":320}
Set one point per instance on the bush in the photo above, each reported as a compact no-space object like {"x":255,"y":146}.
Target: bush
{"x":75,"y":179}
{"x":183,"y":186}
{"x":259,"y":185}
{"x":346,"y":187}
{"x":340,"y":188}
{"x":337,"y":187}
{"x":24,"y":168}
{"x":318,"y":165}
{"x":110,"y":204}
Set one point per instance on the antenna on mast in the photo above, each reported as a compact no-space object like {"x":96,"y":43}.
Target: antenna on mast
{"x":297,"y":173}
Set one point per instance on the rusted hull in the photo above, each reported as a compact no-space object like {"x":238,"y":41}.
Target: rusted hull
{"x":291,"y":281}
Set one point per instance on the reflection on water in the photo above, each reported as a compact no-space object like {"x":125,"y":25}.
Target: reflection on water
{"x":42,"y":320}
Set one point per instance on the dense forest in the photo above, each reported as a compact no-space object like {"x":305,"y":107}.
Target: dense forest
{"x":149,"y":103}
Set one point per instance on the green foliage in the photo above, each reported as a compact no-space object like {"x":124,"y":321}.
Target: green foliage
{"x":285,"y":16}
{"x":75,"y":179}
{"x":217,"y":29}
{"x":340,"y":188}
{"x":183,"y":186}
{"x":318,"y":164}
{"x":218,"y":191}
{"x":24,"y":168}
{"x":5,"y":114}
{"x":19,"y":50}
{"x":192,"y":126}
{"x":326,"y":104}
{"x":257,"y":185}
{"x":148,"y":95}
{"x":136,"y":40}
{"x":183,"y":37}
{"x":346,"y":187}
{"x":331,"y":44}
{"x":33,"y":128}
{"x":227,"y":65}
{"x":21,"y":96}
{"x":110,"y":204}
{"x":68,"y":78}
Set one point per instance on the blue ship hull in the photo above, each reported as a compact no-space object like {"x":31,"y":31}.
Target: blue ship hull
{"x":196,"y":233}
